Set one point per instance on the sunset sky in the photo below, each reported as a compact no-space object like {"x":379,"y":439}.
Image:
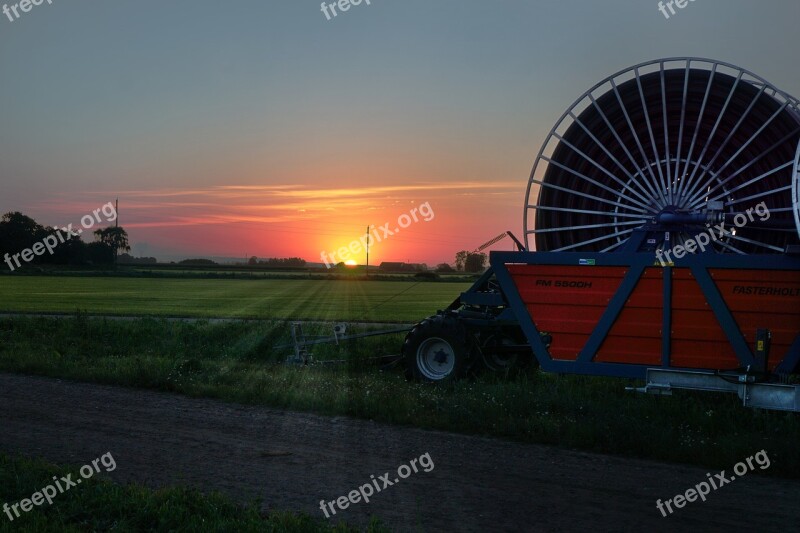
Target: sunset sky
{"x":261,"y":128}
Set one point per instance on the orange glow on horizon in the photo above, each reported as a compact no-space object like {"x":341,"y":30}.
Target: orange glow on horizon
{"x":302,"y":221}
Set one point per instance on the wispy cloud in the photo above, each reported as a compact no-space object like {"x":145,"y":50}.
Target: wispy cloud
{"x":265,"y":204}
{"x":229,"y":204}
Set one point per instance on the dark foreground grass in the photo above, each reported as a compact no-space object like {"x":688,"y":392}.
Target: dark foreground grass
{"x":236,"y":362}
{"x":100,"y":505}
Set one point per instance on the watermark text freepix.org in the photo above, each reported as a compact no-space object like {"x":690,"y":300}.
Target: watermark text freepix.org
{"x":713,"y":234}
{"x":60,"y":486}
{"x":357,"y":246}
{"x":365,"y":491}
{"x":343,"y":5}
{"x":25,"y":6}
{"x":49,"y":243}
{"x":703,"y":489}
{"x":664,"y":6}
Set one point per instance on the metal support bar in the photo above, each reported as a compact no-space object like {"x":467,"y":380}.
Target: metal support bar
{"x":760,"y":395}
{"x":666,"y":318}
{"x":301,"y":355}
{"x":301,"y":341}
{"x":328,"y":340}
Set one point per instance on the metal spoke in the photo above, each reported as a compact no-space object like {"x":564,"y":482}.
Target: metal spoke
{"x":588,"y":226}
{"x":730,"y":137}
{"x":591,"y":197}
{"x":730,"y":247}
{"x":652,"y":136}
{"x":613,"y":130}
{"x":757,"y":243}
{"x":702,"y":155}
{"x":615,"y":245}
{"x":760,"y":195}
{"x":670,"y":188}
{"x":600,"y":167}
{"x":696,"y":200}
{"x":570,"y":247}
{"x":648,"y":194}
{"x":593,"y":182}
{"x":683,"y":121}
{"x":771,"y":210}
{"x":750,"y":140}
{"x":746,"y":183}
{"x":638,"y":142}
{"x":602,"y":146}
{"x":683,"y":184}
{"x":585,"y":211}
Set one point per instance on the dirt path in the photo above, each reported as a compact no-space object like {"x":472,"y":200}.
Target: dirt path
{"x":477,"y":484}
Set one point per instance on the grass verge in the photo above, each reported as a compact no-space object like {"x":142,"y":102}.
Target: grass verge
{"x":100,"y":505}
{"x":237,"y":362}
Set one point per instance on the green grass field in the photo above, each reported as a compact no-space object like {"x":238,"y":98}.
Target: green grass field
{"x":377,"y":301}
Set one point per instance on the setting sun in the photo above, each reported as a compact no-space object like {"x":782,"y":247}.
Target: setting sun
{"x":350,"y":263}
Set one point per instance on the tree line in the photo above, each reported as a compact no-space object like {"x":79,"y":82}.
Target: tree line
{"x":470,"y":261}
{"x":19,"y":232}
{"x":278,"y":262}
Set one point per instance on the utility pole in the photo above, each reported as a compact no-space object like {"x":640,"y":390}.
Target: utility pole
{"x":367,"y":251}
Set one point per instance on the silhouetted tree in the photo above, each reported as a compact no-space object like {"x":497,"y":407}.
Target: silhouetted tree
{"x":71,"y":252}
{"x":114,"y":237}
{"x":289,"y":262}
{"x":100,"y":253}
{"x":475,"y":262}
{"x":461,"y":260}
{"x":18,"y":232}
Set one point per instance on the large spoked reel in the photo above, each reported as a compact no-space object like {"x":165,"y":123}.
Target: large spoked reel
{"x":678,"y":136}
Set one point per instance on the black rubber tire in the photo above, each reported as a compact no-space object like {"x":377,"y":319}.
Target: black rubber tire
{"x":491,"y":363}
{"x":437,"y":330}
{"x":517,"y":361}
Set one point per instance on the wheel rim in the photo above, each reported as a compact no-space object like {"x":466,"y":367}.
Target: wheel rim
{"x":496,"y":361}
{"x":671,"y":134}
{"x":436,"y":358}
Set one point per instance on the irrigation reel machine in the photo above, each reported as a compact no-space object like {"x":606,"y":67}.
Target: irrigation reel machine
{"x":662,"y":242}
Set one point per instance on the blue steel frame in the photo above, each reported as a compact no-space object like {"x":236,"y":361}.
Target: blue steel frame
{"x":637,"y":262}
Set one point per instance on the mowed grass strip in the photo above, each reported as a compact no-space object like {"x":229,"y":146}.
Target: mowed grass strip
{"x":100,"y":505}
{"x":376,"y":301}
{"x":237,"y":362}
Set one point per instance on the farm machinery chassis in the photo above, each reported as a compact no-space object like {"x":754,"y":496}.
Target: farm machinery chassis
{"x":727,"y":324}
{"x":642,"y":168}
